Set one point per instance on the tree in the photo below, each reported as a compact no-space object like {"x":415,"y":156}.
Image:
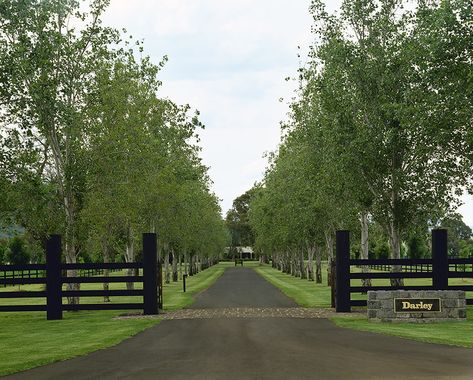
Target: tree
{"x":18,"y":253}
{"x":458,"y":231}
{"x":47,"y":74}
{"x":370,"y":86}
{"x":237,"y":221}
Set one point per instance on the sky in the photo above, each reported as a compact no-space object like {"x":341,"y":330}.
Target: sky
{"x":229,"y":59}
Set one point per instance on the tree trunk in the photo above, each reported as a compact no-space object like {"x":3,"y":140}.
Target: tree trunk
{"x":318,"y":265}
{"x":167,"y":273}
{"x":191,"y":265}
{"x":365,"y":246}
{"x":302,"y":269}
{"x":106,"y":272}
{"x":329,"y":247}
{"x":130,"y":256}
{"x":180,"y":266}
{"x":174,"y":267}
{"x":71,"y":259}
{"x":310,"y":263}
{"x":395,"y":242}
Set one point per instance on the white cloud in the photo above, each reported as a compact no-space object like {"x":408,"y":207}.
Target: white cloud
{"x":467,"y":209}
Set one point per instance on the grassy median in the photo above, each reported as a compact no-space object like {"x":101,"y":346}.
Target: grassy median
{"x":308,"y":294}
{"x":29,"y":340}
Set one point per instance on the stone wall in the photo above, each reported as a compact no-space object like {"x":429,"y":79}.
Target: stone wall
{"x":381,"y":306}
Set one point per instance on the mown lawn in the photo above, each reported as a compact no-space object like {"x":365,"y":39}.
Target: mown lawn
{"x":308,"y":294}
{"x":28,"y":340}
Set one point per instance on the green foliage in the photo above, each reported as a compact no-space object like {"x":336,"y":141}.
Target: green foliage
{"x":417,"y":247}
{"x":379,"y":127}
{"x":18,"y":254}
{"x":381,"y":250}
{"x":466,"y":248}
{"x":458,"y":232}
{"x":3,"y":251}
{"x":237,"y":221}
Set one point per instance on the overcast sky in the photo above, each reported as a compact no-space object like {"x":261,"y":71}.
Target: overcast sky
{"x":228,"y":59}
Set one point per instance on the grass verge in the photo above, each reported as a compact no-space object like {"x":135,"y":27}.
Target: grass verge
{"x":451,"y":333}
{"x":29,"y":340}
{"x":305,"y":293}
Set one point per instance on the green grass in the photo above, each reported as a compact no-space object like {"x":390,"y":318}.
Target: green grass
{"x":451,"y":333}
{"x":28,"y":340}
{"x":305,"y":293}
{"x":308,"y":294}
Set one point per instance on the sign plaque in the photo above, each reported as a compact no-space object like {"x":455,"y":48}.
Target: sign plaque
{"x":416,"y":305}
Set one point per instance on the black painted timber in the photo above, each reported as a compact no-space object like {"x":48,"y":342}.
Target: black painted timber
{"x":150,"y":274}
{"x":101,"y":293}
{"x":439,"y":259}
{"x":391,"y":275}
{"x":102,"y":266}
{"x":14,"y":267}
{"x":53,"y":278}
{"x":103,"y":306}
{"x":364,"y":289}
{"x":23,"y":308}
{"x":342,"y":303}
{"x":390,"y":261}
{"x":23,"y":294}
{"x":358,"y":303}
{"x":90,"y":280}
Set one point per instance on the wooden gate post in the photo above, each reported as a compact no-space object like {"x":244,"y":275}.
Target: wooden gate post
{"x":150,"y":274}
{"x":53,"y":278}
{"x":439,"y":259}
{"x":342,"y":259}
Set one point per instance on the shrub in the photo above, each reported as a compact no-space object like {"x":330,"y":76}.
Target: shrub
{"x":18,"y":253}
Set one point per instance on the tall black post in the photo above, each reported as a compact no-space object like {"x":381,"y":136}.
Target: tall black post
{"x":342,"y":259}
{"x":53,"y":278}
{"x":439,"y":259}
{"x":150,"y":274}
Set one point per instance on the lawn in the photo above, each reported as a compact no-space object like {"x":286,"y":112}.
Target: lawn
{"x":308,"y":294}
{"x":305,"y":293}
{"x":29,"y":340}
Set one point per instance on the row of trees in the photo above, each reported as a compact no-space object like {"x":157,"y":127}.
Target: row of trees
{"x":380,"y":136}
{"x":88,"y":149}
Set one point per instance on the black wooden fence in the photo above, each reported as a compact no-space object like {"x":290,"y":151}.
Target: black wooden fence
{"x":54,"y":279}
{"x":439,"y":263}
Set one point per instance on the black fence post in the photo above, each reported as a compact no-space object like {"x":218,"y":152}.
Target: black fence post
{"x":184,"y":283}
{"x":342,"y":300}
{"x":150,"y":275}
{"x":53,"y":278}
{"x":439,"y":259}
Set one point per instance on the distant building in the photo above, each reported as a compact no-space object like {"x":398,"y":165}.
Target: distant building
{"x":240,"y":252}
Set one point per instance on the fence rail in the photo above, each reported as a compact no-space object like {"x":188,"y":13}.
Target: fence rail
{"x":41,"y":273}
{"x":54,"y":275}
{"x":439,"y":268}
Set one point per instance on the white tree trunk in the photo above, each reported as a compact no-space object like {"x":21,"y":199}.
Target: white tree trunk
{"x":329,"y":247}
{"x":310,"y":263}
{"x":365,"y":245}
{"x":130,"y":256}
{"x":302,"y":270}
{"x":318,"y":265}
{"x":395,"y":243}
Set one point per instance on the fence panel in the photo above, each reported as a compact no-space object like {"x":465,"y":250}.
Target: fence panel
{"x":54,"y":276}
{"x":437,"y":268}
